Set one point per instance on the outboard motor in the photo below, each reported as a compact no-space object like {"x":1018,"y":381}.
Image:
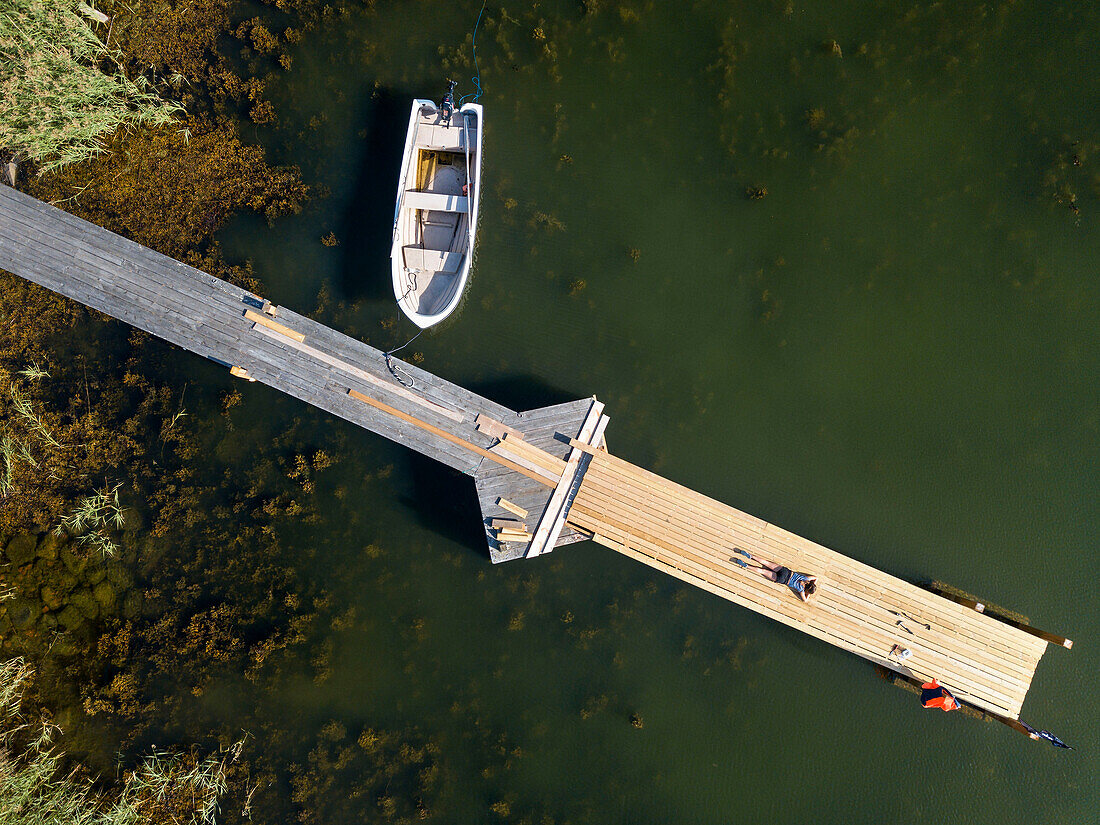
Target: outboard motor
{"x":448,"y":107}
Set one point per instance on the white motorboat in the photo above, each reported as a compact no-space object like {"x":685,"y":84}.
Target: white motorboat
{"x":435,"y":220}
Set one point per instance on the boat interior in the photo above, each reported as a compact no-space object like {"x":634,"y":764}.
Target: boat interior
{"x":436,"y":213}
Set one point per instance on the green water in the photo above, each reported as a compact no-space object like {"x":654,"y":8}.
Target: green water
{"x":894,"y":353}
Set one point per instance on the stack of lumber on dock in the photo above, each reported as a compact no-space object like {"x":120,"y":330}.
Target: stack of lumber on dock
{"x":535,"y":445}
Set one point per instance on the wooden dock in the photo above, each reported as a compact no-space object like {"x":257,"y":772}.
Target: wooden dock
{"x":544,"y":477}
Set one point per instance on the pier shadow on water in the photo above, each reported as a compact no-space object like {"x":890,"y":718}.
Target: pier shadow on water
{"x":367,"y":219}
{"x":522,"y":392}
{"x":445,"y":502}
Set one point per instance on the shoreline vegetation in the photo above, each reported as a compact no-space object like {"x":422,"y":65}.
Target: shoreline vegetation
{"x":148,"y":541}
{"x":58,"y":104}
{"x":122,"y":569}
{"x":37,"y":790}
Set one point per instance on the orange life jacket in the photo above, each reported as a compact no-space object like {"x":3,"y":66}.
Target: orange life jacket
{"x":935,"y":695}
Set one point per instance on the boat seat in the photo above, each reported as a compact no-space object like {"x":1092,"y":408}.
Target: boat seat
{"x":432,"y":260}
{"x":442,"y":138}
{"x":435,"y":201}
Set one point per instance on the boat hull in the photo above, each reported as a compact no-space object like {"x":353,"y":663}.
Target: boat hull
{"x":436,"y":212}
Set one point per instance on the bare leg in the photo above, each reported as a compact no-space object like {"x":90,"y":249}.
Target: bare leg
{"x":770,"y":565}
{"x":765,"y":572}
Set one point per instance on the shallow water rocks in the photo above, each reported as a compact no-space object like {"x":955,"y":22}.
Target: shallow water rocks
{"x":23,"y":613}
{"x":86,"y":603}
{"x":73,"y":559}
{"x":63,"y":644}
{"x":21,"y":549}
{"x":65,"y":580}
{"x":70,"y":618}
{"x":49,"y":546}
{"x":119,"y":575}
{"x":51,"y":597}
{"x":131,"y":605}
{"x":105,"y":594}
{"x":95,"y":573}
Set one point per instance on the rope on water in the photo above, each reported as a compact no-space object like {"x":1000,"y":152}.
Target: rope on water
{"x":476,"y":95}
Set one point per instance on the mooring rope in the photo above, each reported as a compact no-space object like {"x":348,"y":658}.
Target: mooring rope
{"x":395,"y":370}
{"x":476,"y":95}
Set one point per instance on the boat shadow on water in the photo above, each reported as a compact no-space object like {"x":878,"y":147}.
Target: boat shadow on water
{"x":368,"y":216}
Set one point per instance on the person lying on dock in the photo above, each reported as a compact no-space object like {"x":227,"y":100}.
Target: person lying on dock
{"x":803,"y":584}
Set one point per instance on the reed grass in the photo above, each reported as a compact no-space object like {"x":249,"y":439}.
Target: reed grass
{"x":34,"y":372}
{"x":35,"y":791}
{"x":57,"y":106}
{"x":25,"y":409}
{"x":7,"y":474}
{"x":89,"y":520}
{"x":162,"y":778}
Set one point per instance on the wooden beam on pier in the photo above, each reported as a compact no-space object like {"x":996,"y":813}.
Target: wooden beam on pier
{"x":553,"y":517}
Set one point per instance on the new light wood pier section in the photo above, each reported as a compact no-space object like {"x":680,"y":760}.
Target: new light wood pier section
{"x":986,"y":663}
{"x":544,"y":477}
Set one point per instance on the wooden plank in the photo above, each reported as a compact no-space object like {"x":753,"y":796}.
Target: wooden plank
{"x":619,"y":482}
{"x":504,"y":523}
{"x":512,"y":508}
{"x":634,"y":516}
{"x":433,"y":387}
{"x":905,"y":593}
{"x":542,"y":540}
{"x":1041,"y":634}
{"x":366,"y":399}
{"x":514,"y":535}
{"x":90,"y":233}
{"x":785,"y":611}
{"x":96,"y":252}
{"x":551,"y":463}
{"x":263,"y":321}
{"x":497,"y":429}
{"x":575,"y":484}
{"x":631,"y":521}
{"x":1062,"y":641}
{"x":502,"y":450}
{"x":705,"y":585}
{"x":653,"y":526}
{"x":664,"y":485}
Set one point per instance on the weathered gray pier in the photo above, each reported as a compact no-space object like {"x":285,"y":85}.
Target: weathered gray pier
{"x":294,"y":354}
